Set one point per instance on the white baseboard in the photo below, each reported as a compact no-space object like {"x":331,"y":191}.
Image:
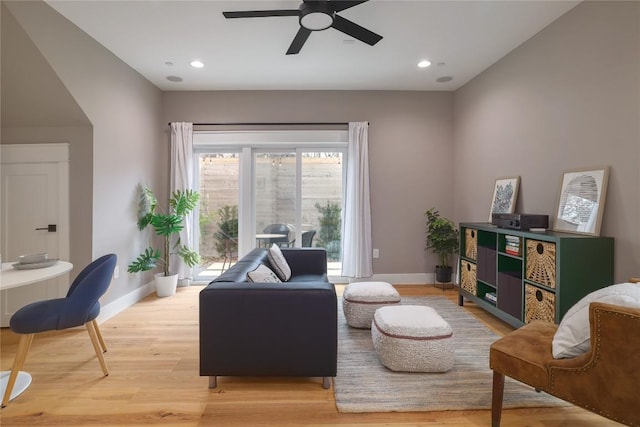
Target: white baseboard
{"x":124,"y":302}
{"x":396,"y":279}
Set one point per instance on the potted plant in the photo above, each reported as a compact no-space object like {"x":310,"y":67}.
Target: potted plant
{"x":442,"y":239}
{"x":168,"y":226}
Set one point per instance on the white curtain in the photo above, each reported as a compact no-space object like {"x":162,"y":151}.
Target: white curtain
{"x":182,"y":179}
{"x":356,"y":221}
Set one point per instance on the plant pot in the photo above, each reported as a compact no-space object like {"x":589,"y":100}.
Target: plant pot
{"x":184,"y":283}
{"x":443,"y":273}
{"x":166,"y":285}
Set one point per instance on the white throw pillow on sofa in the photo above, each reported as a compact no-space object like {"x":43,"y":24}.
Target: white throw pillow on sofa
{"x":279,"y":264}
{"x":573,"y":335}
{"x":263,"y":274}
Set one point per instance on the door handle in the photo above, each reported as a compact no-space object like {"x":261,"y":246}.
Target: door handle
{"x":51,"y":228}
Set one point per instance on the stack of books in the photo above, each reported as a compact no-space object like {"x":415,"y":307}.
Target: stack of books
{"x":512,"y":245}
{"x":491,"y":297}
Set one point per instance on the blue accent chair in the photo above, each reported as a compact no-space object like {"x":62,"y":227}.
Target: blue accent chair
{"x":79,"y":307}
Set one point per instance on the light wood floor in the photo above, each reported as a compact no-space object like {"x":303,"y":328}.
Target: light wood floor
{"x":153,"y":359}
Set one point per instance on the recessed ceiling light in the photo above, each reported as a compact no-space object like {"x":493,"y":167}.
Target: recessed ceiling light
{"x":168,"y":64}
{"x":196,"y":64}
{"x":174,"y":78}
{"x":444,"y":79}
{"x":424,"y":63}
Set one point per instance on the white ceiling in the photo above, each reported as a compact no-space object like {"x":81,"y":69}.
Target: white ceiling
{"x":460,"y":38}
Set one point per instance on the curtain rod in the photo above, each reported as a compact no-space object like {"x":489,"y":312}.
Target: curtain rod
{"x":274,"y":124}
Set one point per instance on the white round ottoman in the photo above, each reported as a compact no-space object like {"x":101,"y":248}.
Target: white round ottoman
{"x":360,"y":301}
{"x":412,"y":338}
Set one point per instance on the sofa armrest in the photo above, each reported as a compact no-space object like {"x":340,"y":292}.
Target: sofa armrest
{"x":306,"y":261}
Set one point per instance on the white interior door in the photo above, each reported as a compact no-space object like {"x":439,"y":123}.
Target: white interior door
{"x":34,"y":208}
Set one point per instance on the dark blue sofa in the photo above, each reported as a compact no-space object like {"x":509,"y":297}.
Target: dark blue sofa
{"x":270,"y":329}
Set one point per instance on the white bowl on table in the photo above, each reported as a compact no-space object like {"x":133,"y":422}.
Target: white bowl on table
{"x":33,"y":258}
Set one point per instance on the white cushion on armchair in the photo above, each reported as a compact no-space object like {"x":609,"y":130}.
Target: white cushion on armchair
{"x":573,"y":335}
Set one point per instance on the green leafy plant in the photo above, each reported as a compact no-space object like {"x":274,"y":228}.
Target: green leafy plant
{"x":442,"y":236}
{"x":330,"y":225}
{"x":226,"y":237}
{"x":167,"y":225}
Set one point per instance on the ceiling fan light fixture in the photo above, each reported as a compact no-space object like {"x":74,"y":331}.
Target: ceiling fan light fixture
{"x":313,"y":16}
{"x":316,"y":16}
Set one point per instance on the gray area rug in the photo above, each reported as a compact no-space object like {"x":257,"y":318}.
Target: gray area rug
{"x":363,"y":384}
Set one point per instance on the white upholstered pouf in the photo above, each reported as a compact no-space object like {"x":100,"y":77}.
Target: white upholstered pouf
{"x":412,"y":338}
{"x":360,"y":301}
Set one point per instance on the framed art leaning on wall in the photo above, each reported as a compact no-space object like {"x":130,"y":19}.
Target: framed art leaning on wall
{"x":505,"y":194}
{"x":581,"y":201}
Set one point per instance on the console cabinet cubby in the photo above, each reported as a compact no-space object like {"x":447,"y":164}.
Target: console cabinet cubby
{"x":521,"y":276}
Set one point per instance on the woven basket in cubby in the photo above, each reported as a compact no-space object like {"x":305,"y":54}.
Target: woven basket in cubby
{"x":471,"y":243}
{"x":539,"y":305}
{"x":541,"y":262}
{"x":468,"y":277}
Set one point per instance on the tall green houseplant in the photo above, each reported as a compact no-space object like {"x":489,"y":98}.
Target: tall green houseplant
{"x":168,"y":226}
{"x":442,"y":239}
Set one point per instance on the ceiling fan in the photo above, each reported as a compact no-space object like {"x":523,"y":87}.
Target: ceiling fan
{"x":315,"y":15}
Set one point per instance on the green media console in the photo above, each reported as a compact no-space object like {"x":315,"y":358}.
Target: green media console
{"x":520,"y":276}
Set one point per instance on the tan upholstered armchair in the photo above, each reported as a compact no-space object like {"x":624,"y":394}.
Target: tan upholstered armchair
{"x":605,"y":380}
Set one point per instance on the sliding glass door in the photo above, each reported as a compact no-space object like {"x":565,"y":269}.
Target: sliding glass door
{"x":259,"y":192}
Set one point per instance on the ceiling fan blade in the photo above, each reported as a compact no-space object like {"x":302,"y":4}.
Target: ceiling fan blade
{"x":339,"y":5}
{"x":261,"y":13}
{"x":354,"y":30}
{"x":299,"y":40}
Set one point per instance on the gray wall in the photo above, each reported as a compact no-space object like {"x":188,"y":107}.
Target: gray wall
{"x":124,"y":110}
{"x":410,"y":152}
{"x":567,"y":98}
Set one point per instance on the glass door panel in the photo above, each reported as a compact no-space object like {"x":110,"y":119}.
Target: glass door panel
{"x":321,"y":177}
{"x":219,"y":187}
{"x":275,"y":198}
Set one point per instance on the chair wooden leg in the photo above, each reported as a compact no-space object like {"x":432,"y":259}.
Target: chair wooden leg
{"x":96,"y":346}
{"x":18,"y":363}
{"x":496,"y":399}
{"x":103,"y":346}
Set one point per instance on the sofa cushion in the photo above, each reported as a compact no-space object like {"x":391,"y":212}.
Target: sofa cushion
{"x":263,"y":274}
{"x":279,"y":264}
{"x":573,"y":335}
